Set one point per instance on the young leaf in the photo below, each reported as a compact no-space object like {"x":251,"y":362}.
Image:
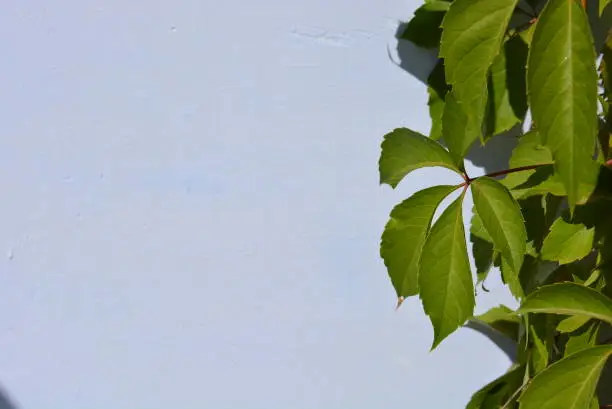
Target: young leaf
{"x":568,"y":299}
{"x":502,"y":219}
{"x":404,"y":150}
{"x":445,"y":280}
{"x":562,"y":83}
{"x":507,"y":88}
{"x":569,"y":383}
{"x":567,"y":242}
{"x":472,"y":37}
{"x":404,"y":236}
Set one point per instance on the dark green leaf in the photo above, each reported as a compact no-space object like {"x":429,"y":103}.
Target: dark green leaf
{"x":496,"y":393}
{"x":562,"y":83}
{"x":445,"y":280}
{"x":501,"y":218}
{"x":437,"y":90}
{"x":404,"y":236}
{"x":424,"y":28}
{"x":482,"y":247}
{"x":404,"y":150}
{"x":569,"y":383}
{"x":569,"y":299}
{"x":567,"y":242}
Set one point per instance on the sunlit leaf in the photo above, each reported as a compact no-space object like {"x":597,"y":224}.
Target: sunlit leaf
{"x":507,"y":101}
{"x":471,"y":39}
{"x":404,"y":150}
{"x":458,"y":129}
{"x":404,"y":236}
{"x":501,"y":218}
{"x":445,"y":280}
{"x":571,"y":324}
{"x":569,"y":383}
{"x":567,"y":242}
{"x":562,"y":83}
{"x":569,"y":299}
{"x":602,"y":5}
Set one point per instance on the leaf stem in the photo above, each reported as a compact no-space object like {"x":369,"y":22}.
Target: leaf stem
{"x":512,"y":170}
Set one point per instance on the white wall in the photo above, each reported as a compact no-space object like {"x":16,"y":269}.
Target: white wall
{"x":191,"y":212}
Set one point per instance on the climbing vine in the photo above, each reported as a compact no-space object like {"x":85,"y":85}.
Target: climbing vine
{"x":543,"y":220}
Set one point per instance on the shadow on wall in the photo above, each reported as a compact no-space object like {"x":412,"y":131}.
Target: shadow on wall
{"x":5,"y":401}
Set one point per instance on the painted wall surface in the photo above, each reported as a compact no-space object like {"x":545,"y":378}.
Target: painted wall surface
{"x":190,"y":210}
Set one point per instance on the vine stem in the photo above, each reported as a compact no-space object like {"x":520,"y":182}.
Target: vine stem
{"x":469,"y":180}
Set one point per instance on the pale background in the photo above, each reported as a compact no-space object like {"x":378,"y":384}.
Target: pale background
{"x":191,"y":210}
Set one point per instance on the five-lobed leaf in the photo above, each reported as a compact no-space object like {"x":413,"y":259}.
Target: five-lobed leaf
{"x":567,"y":242}
{"x":568,"y":299}
{"x":562,"y":83}
{"x":404,"y":150}
{"x":569,"y":383}
{"x":502,"y":219}
{"x":445,"y":280}
{"x":404,"y":236}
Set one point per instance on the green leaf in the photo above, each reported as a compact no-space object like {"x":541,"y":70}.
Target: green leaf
{"x":583,"y":338}
{"x":482,"y":247}
{"x":602,"y":5}
{"x":472,"y":35}
{"x":404,"y":236}
{"x":569,"y":383}
{"x":528,"y":152}
{"x":501,"y":218}
{"x":562,"y":83}
{"x":437,"y":5}
{"x":503,"y":320}
{"x":404,"y":150}
{"x":567,"y":242}
{"x":511,"y":278}
{"x":445,"y":280}
{"x":568,"y":299}
{"x":437,"y":90}
{"x":458,"y":129}
{"x":507,"y":88}
{"x":493,"y":395}
{"x":572,"y":323}
{"x":424,"y":28}
{"x":537,"y":334}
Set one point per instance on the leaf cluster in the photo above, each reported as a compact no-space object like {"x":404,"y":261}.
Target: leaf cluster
{"x":544,"y":220}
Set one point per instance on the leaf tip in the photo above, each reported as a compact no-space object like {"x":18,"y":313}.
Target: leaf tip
{"x":400,"y":301}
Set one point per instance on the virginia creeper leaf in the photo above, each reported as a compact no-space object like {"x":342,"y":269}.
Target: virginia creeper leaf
{"x":571,"y":324}
{"x":569,"y":383}
{"x":437,"y":90}
{"x":602,"y":5}
{"x":459,"y":129}
{"x":482,"y":248}
{"x":562,"y":83}
{"x":404,"y":236}
{"x":583,"y":338}
{"x":529,"y":151}
{"x":507,"y":101}
{"x":495,"y":394}
{"x":445,"y":280}
{"x":404,"y":150}
{"x":471,"y":39}
{"x":569,"y":299}
{"x":503,"y":320}
{"x":567,"y":242}
{"x":424,"y":28}
{"x":501,"y":218}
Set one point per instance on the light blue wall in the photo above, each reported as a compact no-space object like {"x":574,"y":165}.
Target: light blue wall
{"x":191,"y":211}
